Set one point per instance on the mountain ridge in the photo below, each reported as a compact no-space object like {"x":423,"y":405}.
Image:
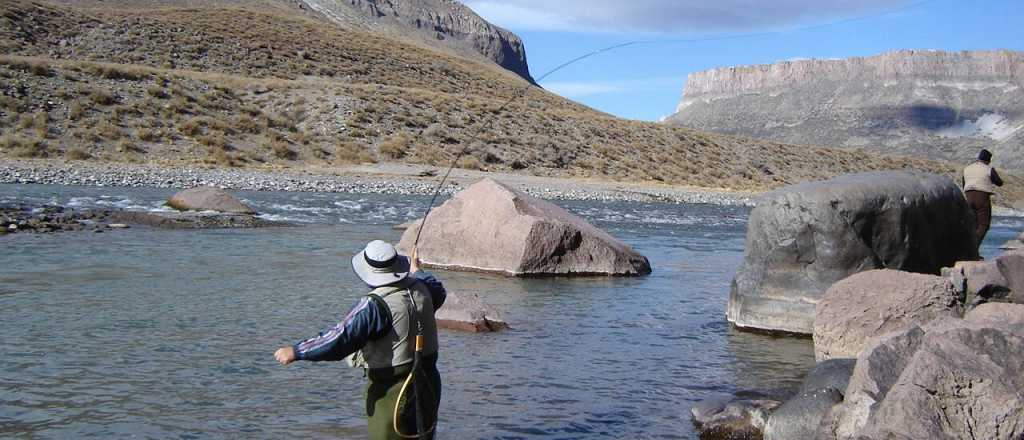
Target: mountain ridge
{"x":942,"y":105}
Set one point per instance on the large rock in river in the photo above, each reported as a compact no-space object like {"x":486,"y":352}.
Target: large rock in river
{"x":803,"y":238}
{"x":869,"y":304}
{"x":206,"y":198}
{"x":491,"y":227}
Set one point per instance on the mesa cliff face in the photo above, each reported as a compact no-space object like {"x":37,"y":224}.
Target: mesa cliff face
{"x":942,"y":105}
{"x":440,"y":23}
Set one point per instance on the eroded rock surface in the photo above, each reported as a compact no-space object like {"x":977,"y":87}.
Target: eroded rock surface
{"x":801,"y":239}
{"x":492,"y":227}
{"x":206,"y":198}
{"x":869,"y":304}
{"x":467,"y":312}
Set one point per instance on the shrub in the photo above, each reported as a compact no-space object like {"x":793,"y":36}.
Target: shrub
{"x":430,"y":154}
{"x":117,"y":72}
{"x":220,"y":156}
{"x":24,"y":147}
{"x":281,"y":150}
{"x":77,"y":153}
{"x":102,"y":97}
{"x":321,"y":153}
{"x":246,"y":124}
{"x":395,"y":146}
{"x":76,"y":110}
{"x":119,"y":112}
{"x":148,"y":135}
{"x":470,"y":163}
{"x":11,"y":103}
{"x":215,"y":140}
{"x":126,"y":146}
{"x":156,"y":92}
{"x":109,"y":131}
{"x":192,"y":127}
{"x":301,"y":137}
{"x":353,"y":152}
{"x":178,"y":105}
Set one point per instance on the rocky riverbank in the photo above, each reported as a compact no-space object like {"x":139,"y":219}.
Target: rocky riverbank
{"x":374,"y":179}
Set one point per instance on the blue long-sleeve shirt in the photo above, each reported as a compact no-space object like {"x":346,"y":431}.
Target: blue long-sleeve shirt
{"x":365,"y":321}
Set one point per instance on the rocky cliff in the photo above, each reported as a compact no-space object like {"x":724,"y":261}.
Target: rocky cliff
{"x":942,"y":105}
{"x":440,"y":23}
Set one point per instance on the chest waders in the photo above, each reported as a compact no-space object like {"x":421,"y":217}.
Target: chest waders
{"x":422,"y":431}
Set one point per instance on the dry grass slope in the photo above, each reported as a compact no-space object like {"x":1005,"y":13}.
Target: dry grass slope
{"x":230,"y":86}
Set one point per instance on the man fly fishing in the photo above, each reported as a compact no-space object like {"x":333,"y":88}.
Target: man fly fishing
{"x":391,"y":333}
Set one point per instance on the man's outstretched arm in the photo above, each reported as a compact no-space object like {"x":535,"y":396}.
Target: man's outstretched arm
{"x":364,"y":322}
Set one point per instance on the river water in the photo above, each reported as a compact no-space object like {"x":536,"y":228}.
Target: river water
{"x":170,"y":334}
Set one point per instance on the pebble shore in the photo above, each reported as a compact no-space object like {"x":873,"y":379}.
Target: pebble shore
{"x":137,"y":175}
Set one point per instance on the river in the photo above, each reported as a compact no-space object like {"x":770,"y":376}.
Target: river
{"x":170,"y":334}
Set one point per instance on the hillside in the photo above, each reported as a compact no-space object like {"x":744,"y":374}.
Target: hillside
{"x":228,"y":85}
{"x":939,"y":105}
{"x":445,"y":25}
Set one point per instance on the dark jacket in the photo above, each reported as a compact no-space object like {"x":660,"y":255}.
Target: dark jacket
{"x":366,"y":320}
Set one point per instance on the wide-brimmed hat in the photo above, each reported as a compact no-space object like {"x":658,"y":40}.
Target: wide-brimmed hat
{"x":379,"y":264}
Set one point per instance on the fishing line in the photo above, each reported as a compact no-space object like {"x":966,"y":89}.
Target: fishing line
{"x":486,"y":124}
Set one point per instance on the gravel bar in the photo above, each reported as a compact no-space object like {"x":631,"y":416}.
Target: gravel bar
{"x":138,"y":175}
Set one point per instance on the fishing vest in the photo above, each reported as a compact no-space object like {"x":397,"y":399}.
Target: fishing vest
{"x":397,"y":346}
{"x":978,"y":177}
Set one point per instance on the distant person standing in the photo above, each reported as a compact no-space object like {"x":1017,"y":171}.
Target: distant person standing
{"x":980,"y":181}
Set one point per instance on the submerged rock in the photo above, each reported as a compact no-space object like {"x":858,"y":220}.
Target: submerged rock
{"x":492,"y":227}
{"x":730,"y":418}
{"x":869,"y":304}
{"x":467,"y":312}
{"x":191,"y":220}
{"x":801,"y":239}
{"x":206,"y":198}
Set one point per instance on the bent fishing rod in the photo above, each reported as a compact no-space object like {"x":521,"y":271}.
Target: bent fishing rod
{"x":486,"y":123}
{"x":521,"y":92}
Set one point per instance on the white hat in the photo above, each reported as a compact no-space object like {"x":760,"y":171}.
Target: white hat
{"x":379,"y":264}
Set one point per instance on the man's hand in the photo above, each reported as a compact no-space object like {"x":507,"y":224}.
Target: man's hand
{"x":285,"y":355}
{"x":414,"y":260}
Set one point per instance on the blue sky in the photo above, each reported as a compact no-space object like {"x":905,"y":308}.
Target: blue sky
{"x":645,"y":81}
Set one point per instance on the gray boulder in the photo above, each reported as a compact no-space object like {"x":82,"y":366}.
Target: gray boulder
{"x":872,"y":303}
{"x":966,"y":380}
{"x":979,"y":281}
{"x":732,"y":418}
{"x":831,"y":373}
{"x":801,"y":239}
{"x":878,"y":367}
{"x":492,"y":227}
{"x":997,"y":314}
{"x":206,"y":198}
{"x":1011,"y":266}
{"x":799,"y":417}
{"x":467,"y":312}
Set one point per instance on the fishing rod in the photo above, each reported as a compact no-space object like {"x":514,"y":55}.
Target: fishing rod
{"x":421,"y":429}
{"x":473,"y":137}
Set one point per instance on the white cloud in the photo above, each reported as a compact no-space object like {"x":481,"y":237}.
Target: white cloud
{"x":670,"y":16}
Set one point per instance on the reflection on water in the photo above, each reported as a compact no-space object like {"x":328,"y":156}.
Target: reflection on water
{"x":170,"y":333}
